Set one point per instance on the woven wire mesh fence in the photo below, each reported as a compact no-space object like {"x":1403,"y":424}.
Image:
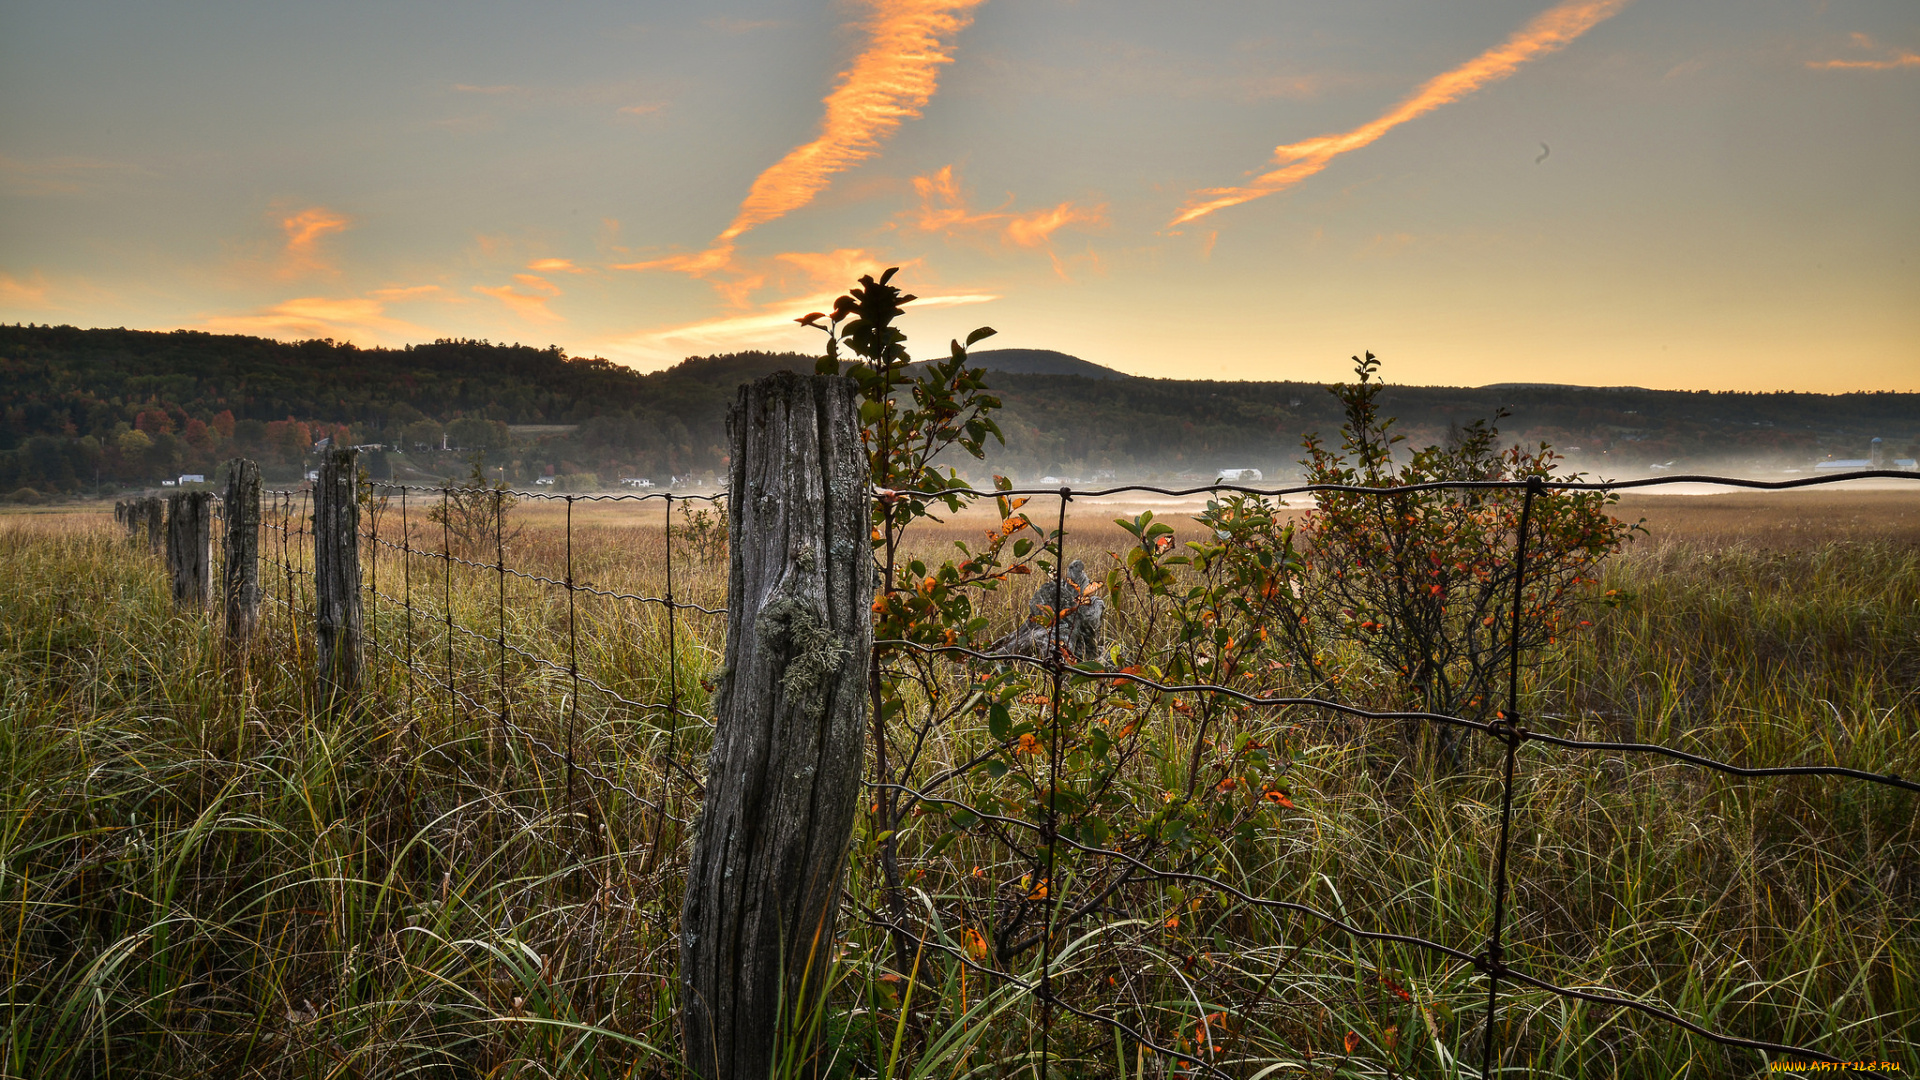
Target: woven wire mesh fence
{"x":577,"y":653}
{"x":589,"y":656}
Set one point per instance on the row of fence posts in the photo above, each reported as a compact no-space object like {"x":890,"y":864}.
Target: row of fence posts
{"x":180,"y":528}
{"x":788,"y":750}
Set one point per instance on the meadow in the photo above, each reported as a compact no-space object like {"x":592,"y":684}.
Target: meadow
{"x":205,"y":871}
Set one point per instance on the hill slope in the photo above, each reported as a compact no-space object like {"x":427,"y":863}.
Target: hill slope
{"x":1042,"y":362}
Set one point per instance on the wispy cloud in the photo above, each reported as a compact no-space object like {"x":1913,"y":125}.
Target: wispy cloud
{"x":529,"y":301}
{"x":943,"y":209}
{"x":891,"y":80}
{"x":1894,"y":58}
{"x":305,"y":230}
{"x":555,"y":266}
{"x":26,"y":295}
{"x":1550,"y":31}
{"x":348,"y":318}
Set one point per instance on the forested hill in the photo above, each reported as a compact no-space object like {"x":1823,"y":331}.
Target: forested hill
{"x":90,"y":408}
{"x":54,"y":377}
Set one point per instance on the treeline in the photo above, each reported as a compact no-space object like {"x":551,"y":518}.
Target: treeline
{"x":86,"y":409}
{"x":1075,"y":426}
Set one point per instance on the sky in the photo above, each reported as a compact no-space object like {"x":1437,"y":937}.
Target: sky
{"x":1708,"y":194}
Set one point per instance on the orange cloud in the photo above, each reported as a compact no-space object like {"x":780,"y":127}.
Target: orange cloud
{"x":555,"y":266}
{"x":316,"y":317}
{"x":1550,"y":31}
{"x":1899,"y":59}
{"x":530,"y":304}
{"x":304,"y":232}
{"x":887,"y":84}
{"x":943,"y":209}
{"x":406,"y":292}
{"x":23,"y":294}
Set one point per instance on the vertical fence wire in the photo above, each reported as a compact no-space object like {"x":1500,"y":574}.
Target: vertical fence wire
{"x":1056,"y":671}
{"x":673,"y":697}
{"x":500,"y":641}
{"x":446,"y":601}
{"x":286,"y":564}
{"x":573,"y":659}
{"x":406,"y":595}
{"x":1507,"y":730}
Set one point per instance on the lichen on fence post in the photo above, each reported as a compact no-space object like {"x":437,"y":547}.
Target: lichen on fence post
{"x":783,"y":780}
{"x":240,"y":584}
{"x":190,"y":547}
{"x":336,"y":576}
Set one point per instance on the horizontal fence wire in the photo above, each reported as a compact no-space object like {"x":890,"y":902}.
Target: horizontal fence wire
{"x":1507,"y":729}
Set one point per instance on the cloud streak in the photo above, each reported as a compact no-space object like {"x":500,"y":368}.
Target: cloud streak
{"x":529,"y":301}
{"x":943,"y":209}
{"x":1900,"y":59}
{"x":1548,"y":32}
{"x":306,"y":317}
{"x":891,"y":80}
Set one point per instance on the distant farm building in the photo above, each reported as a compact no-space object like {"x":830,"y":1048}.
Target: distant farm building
{"x":1876,"y":459}
{"x":635,"y":482}
{"x":193,"y":478}
{"x":1239,"y":476}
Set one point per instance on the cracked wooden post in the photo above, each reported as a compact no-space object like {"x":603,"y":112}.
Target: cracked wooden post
{"x":336,"y":576}
{"x":240,"y":582}
{"x":190,"y":547}
{"x":783,"y":780}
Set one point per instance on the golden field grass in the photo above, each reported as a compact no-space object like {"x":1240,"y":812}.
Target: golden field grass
{"x":204,"y":873}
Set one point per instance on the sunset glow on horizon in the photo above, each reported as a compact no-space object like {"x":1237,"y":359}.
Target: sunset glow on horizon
{"x":1707,"y":196}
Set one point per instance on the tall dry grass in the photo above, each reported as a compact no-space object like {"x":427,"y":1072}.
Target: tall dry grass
{"x":206,"y":874}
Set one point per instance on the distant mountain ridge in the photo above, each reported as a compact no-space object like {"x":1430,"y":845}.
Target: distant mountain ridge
{"x":1041,"y":362}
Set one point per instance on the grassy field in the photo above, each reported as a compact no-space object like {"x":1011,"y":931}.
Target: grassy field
{"x":204,"y":873}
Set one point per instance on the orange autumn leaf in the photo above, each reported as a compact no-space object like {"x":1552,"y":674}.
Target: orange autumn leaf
{"x":1352,"y":1041}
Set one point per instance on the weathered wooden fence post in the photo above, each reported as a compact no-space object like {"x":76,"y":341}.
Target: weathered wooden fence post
{"x":190,"y":547}
{"x":155,"y":515}
{"x":240,"y":585}
{"x":783,"y":781}
{"x":336,"y":575}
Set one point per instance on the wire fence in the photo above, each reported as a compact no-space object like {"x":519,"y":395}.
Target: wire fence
{"x":468,"y":663}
